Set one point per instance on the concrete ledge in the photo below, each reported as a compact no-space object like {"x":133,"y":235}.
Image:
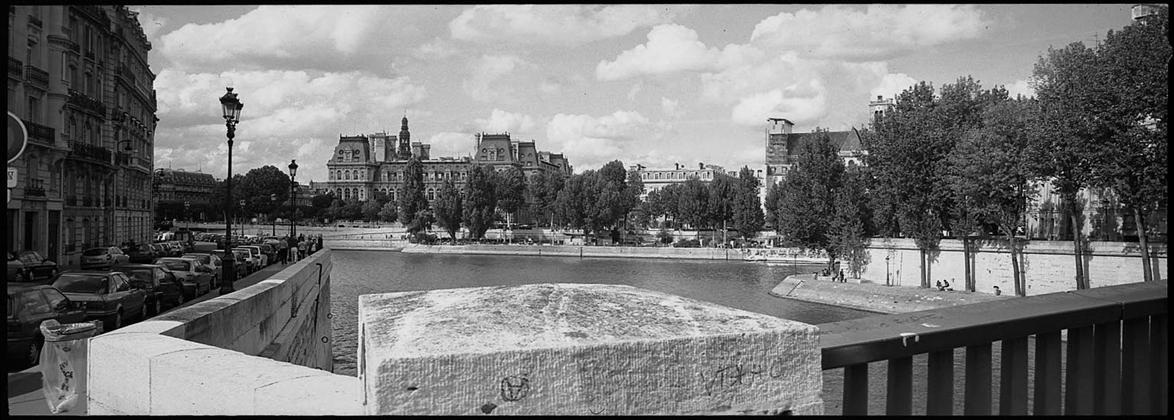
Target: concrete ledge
{"x":580,"y":251}
{"x":580,"y":349}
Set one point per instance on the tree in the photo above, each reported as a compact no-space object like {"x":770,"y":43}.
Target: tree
{"x":809,"y":194}
{"x":692,"y":202}
{"x":1133,"y":68}
{"x":448,"y":208}
{"x":388,"y":213}
{"x":371,"y":210}
{"x":633,"y":189}
{"x":771,"y":203}
{"x":413,"y":206}
{"x":991,"y":169}
{"x":748,"y":218}
{"x":723,"y":190}
{"x":510,"y":190}
{"x":848,"y":236}
{"x":545,"y":190}
{"x":256,"y":187}
{"x":320,"y":201}
{"x":479,"y":201}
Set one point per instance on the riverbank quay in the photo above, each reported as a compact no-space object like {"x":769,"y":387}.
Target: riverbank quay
{"x":873,"y":297}
{"x":25,"y":396}
{"x":730,"y":254}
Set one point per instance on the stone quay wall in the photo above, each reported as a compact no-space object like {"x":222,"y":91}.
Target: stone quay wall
{"x":264,"y":349}
{"x":1048,"y":265}
{"x":581,"y":251}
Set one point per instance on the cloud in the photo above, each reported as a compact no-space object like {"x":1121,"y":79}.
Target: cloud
{"x":450,"y":144}
{"x":287,"y":115}
{"x":501,"y":122}
{"x":875,"y":33}
{"x":590,"y":142}
{"x":805,"y":103}
{"x":552,"y":24}
{"x":436,"y":49}
{"x":670,"y":48}
{"x":669,"y":107}
{"x":892,"y":85}
{"x":1021,"y":87}
{"x":485,"y":71}
{"x":150,"y":23}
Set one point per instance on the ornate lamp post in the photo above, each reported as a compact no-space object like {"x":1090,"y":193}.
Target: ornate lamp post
{"x":232,"y":113}
{"x":293,"y":190}
{"x":273,"y":200}
{"x":186,"y":215}
{"x":243,"y":218}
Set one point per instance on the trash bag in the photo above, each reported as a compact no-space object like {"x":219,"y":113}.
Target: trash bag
{"x":63,"y":362}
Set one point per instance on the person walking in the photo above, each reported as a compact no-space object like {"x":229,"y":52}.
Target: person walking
{"x":293,"y":249}
{"x":283,"y":251}
{"x":302,"y":247}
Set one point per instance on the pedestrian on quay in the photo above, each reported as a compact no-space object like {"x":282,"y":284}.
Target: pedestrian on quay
{"x":997,"y":291}
{"x":841,"y":276}
{"x":940,"y":287}
{"x":283,"y":251}
{"x":293,"y":249}
{"x":946,"y":286}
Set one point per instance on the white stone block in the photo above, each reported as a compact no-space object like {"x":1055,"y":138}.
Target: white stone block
{"x":580,"y":349}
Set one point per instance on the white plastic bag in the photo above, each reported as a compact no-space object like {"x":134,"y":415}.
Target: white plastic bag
{"x":63,"y":363}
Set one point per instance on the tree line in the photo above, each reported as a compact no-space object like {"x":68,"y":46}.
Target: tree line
{"x":968,"y":160}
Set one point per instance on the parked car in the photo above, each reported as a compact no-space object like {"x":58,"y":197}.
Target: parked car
{"x":142,"y":254}
{"x":28,"y":306}
{"x":161,"y":286}
{"x":270,"y":251}
{"x":105,"y":295}
{"x":38,"y":266}
{"x":252,"y":260}
{"x":211,"y":261}
{"x":103,"y":257}
{"x":259,"y":255}
{"x":16,"y":272}
{"x":239,"y":265}
{"x":195,"y":277}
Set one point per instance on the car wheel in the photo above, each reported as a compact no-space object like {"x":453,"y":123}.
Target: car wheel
{"x":143,"y":312}
{"x":158,"y":306}
{"x":117,"y":321}
{"x":179,"y":300}
{"x":34,"y":356}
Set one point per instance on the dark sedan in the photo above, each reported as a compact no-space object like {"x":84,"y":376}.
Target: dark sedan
{"x":34,"y":266}
{"x":28,"y":306}
{"x":105,"y":295}
{"x":142,"y":254}
{"x":161,"y":287}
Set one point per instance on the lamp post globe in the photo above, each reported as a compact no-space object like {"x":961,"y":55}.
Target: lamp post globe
{"x":232,"y":112}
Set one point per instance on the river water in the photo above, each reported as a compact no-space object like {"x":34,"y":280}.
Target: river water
{"x":735,"y":284}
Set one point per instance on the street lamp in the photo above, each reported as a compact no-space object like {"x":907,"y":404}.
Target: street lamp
{"x":293,"y":190}
{"x":243,"y":218}
{"x":187,"y":218}
{"x":273,"y":200}
{"x":232,"y":113}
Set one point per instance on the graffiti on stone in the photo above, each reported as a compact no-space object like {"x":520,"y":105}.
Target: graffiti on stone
{"x":514,"y":388}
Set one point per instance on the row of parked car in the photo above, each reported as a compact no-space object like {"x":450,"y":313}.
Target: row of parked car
{"x":112,"y":287}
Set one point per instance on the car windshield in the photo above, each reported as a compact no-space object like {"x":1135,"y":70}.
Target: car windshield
{"x":81,"y":283}
{"x":138,"y":275}
{"x":203,"y":258}
{"x":94,"y":251}
{"x":176,"y":265}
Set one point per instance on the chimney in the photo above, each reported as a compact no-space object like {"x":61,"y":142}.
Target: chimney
{"x":700,"y":166}
{"x":677,"y":166}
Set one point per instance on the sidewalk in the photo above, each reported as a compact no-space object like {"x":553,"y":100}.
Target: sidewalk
{"x":25,"y":396}
{"x":874,"y":297}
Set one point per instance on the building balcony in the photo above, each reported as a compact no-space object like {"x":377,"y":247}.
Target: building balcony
{"x":35,"y":21}
{"x":37,"y":77}
{"x":87,"y":102}
{"x":125,"y":72}
{"x":97,"y":154}
{"x":71,"y":200}
{"x":39,"y":133}
{"x":15,"y":69}
{"x":34,"y":192}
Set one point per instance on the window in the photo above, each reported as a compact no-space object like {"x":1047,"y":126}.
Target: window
{"x":35,"y":303}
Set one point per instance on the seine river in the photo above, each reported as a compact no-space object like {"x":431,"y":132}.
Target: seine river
{"x":735,"y":284}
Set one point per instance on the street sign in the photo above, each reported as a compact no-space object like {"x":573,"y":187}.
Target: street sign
{"x":11,"y":177}
{"x":18,"y":137}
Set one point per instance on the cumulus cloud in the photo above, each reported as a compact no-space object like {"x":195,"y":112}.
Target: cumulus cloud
{"x":592,"y":141}
{"x":670,"y":48}
{"x":669,"y":107}
{"x":552,"y":24}
{"x":436,"y":49}
{"x":892,"y":85}
{"x":1021,"y":87}
{"x":284,"y":112}
{"x":501,"y":122}
{"x":805,"y":103}
{"x":874,"y":33}
{"x":150,"y":23}
{"x":483,"y":83}
{"x":450,"y":144}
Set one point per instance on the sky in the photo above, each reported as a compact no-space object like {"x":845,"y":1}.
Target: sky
{"x":646,"y":84}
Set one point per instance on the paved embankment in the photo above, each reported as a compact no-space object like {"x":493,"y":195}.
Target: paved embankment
{"x":874,"y":297}
{"x":582,"y":251}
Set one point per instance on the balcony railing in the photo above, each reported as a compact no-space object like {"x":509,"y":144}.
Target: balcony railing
{"x":1115,"y":362}
{"x":71,"y":200}
{"x":37,"y":76}
{"x":85,"y":151}
{"x":15,"y":68}
{"x":40,"y":133}
{"x":87,"y":102}
{"x":34,"y":192}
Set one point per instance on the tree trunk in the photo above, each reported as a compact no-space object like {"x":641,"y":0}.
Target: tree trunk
{"x":924,"y":269}
{"x":1020,"y":290}
{"x":968,"y":278}
{"x":1082,"y":281}
{"x":1143,"y":241}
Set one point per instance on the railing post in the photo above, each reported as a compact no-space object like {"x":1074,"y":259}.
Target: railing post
{"x":940,"y":384}
{"x":856,"y":390}
{"x":1047,"y":374}
{"x":1107,"y":365}
{"x":1013,"y":377}
{"x":1078,"y":381}
{"x":899,"y":398}
{"x":1134,"y":367}
{"x":978,"y":380}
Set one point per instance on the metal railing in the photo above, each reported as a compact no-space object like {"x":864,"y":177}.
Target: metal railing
{"x":87,"y":102}
{"x":37,"y":76}
{"x":1115,"y":361}
{"x":15,"y":68}
{"x":40,"y":133}
{"x":86,"y":151}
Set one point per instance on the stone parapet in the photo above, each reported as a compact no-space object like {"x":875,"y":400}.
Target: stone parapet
{"x":580,"y":349}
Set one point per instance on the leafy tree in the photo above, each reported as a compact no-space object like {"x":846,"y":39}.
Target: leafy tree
{"x":693,"y":203}
{"x":1134,"y":70}
{"x":990,"y":167}
{"x":448,"y":208}
{"x":848,"y":236}
{"x":388,"y":213}
{"x":809,"y":194}
{"x":320,"y":201}
{"x":633,"y":189}
{"x":722,"y":192}
{"x":371,"y":210}
{"x":570,"y":204}
{"x":774,"y":193}
{"x":258,"y":185}
{"x":413,"y":205}
{"x":479,"y":201}
{"x":545,"y":190}
{"x":510,"y":190}
{"x":748,"y":218}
